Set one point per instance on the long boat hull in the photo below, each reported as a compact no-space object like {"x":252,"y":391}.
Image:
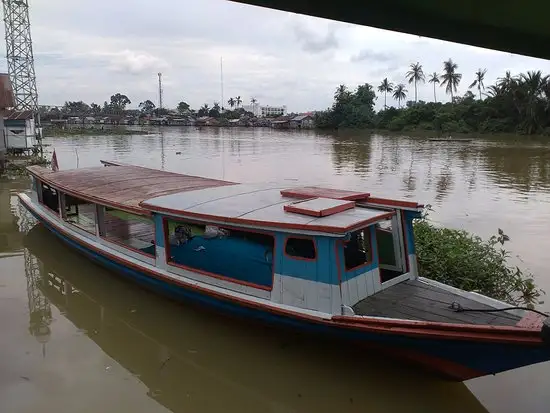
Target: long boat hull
{"x":457,"y":352}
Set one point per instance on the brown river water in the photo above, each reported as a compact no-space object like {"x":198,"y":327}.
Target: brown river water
{"x":75,"y":338}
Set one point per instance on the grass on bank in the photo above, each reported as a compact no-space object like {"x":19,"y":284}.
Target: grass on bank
{"x":466,"y":261}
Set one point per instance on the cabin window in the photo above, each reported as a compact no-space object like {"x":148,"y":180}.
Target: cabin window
{"x":50,"y":198}
{"x":385,"y":242}
{"x":301,"y":248}
{"x":133,"y":231}
{"x":358,"y":250}
{"x":238,"y":255}
{"x":79,"y":212}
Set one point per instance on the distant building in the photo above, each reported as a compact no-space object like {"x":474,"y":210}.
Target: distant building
{"x":302,"y":121}
{"x":266,"y":111}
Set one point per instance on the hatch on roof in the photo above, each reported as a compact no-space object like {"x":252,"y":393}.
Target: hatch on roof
{"x":319,"y":207}
{"x":317,"y":192}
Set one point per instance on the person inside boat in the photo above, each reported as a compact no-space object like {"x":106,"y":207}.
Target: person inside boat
{"x":181,"y":235}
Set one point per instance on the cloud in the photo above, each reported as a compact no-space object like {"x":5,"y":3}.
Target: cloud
{"x":86,"y":53}
{"x":372,"y":55}
{"x":133,"y":62}
{"x":313,"y":42}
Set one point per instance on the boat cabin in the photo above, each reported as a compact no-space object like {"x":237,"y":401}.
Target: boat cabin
{"x":314,"y":248}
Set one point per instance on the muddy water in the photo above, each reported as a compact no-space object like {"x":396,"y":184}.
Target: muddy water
{"x":76,"y":338}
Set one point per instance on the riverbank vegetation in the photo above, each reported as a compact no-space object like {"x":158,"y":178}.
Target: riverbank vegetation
{"x":514,"y":104}
{"x":72,"y":130}
{"x":466,"y":261}
{"x":16,"y":166}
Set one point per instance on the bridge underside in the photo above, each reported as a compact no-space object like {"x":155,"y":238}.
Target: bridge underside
{"x":516,"y":27}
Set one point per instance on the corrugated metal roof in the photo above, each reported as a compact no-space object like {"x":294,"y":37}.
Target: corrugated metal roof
{"x":18,"y":115}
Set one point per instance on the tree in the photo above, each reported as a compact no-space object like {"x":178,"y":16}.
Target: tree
{"x":75,"y":108}
{"x":147,"y":107}
{"x":507,"y":81}
{"x":183,"y":107}
{"x":238,"y":101}
{"x":231,"y":103}
{"x":450,"y":79}
{"x":529,"y":94}
{"x":478,"y":81}
{"x":253,"y":101}
{"x":385,"y":87}
{"x":119,"y":101}
{"x":434,"y":78}
{"x":400,"y":93}
{"x":203,"y":111}
{"x":95,"y":108}
{"x":215,"y":111}
{"x":415,"y":74}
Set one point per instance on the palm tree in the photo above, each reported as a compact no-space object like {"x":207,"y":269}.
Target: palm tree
{"x":529,"y":91}
{"x":238,"y":101}
{"x":415,"y":74}
{"x":434,"y":78}
{"x":507,"y":81}
{"x":450,"y":79}
{"x":385,"y":87}
{"x":231,"y":102}
{"x":480,"y":75}
{"x":253,"y":101}
{"x":400,"y":93}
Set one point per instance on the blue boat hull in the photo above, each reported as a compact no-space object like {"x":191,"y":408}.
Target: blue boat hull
{"x":455,"y":359}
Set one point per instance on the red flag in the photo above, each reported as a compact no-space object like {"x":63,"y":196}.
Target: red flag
{"x":55,"y":165}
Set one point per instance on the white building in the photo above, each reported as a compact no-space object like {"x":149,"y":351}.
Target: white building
{"x":265,"y":111}
{"x":19,"y":129}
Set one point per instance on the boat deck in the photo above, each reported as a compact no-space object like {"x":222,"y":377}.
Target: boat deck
{"x":417,"y":300}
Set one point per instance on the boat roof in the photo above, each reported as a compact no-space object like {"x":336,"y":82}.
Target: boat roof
{"x":121,"y":186}
{"x":143,"y":190}
{"x":260,"y":206}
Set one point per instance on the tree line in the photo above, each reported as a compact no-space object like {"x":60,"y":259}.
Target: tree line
{"x":514,"y":104}
{"x":118,"y":103}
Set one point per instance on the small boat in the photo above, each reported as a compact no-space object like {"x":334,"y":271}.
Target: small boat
{"x":329,"y":262}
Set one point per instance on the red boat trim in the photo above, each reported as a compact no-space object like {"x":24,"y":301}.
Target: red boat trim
{"x":270,"y":224}
{"x":317,"y":192}
{"x":455,"y":332}
{"x":393,"y":202}
{"x":297,"y":209}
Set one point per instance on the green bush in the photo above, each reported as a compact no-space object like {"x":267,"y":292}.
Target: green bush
{"x":465,"y":261}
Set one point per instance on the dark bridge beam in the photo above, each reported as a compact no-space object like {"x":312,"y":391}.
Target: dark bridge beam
{"x":513,"y":26}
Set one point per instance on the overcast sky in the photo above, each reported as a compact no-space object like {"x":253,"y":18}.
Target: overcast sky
{"x":91,"y":50}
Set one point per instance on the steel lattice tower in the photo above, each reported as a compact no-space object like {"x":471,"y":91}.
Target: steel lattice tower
{"x":19,"y":54}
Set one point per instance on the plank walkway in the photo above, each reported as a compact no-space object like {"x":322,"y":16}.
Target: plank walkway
{"x":415,"y":300}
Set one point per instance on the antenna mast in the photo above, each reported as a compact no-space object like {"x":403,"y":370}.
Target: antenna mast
{"x":19,"y":54}
{"x":160,"y":91}
{"x":221,"y":78}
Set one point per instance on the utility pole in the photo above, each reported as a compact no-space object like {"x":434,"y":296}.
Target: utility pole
{"x":221,"y":78}
{"x":160,"y":91}
{"x":19,"y":54}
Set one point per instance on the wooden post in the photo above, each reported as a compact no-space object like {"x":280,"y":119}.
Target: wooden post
{"x":100,"y":220}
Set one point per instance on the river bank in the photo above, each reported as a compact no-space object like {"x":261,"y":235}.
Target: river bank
{"x":92,"y":131}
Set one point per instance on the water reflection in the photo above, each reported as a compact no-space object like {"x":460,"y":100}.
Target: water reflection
{"x":522,"y":168}
{"x":191,"y":360}
{"x":351,"y":154}
{"x":10,"y":237}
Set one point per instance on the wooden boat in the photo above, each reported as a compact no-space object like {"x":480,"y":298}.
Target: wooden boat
{"x":327,"y":261}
